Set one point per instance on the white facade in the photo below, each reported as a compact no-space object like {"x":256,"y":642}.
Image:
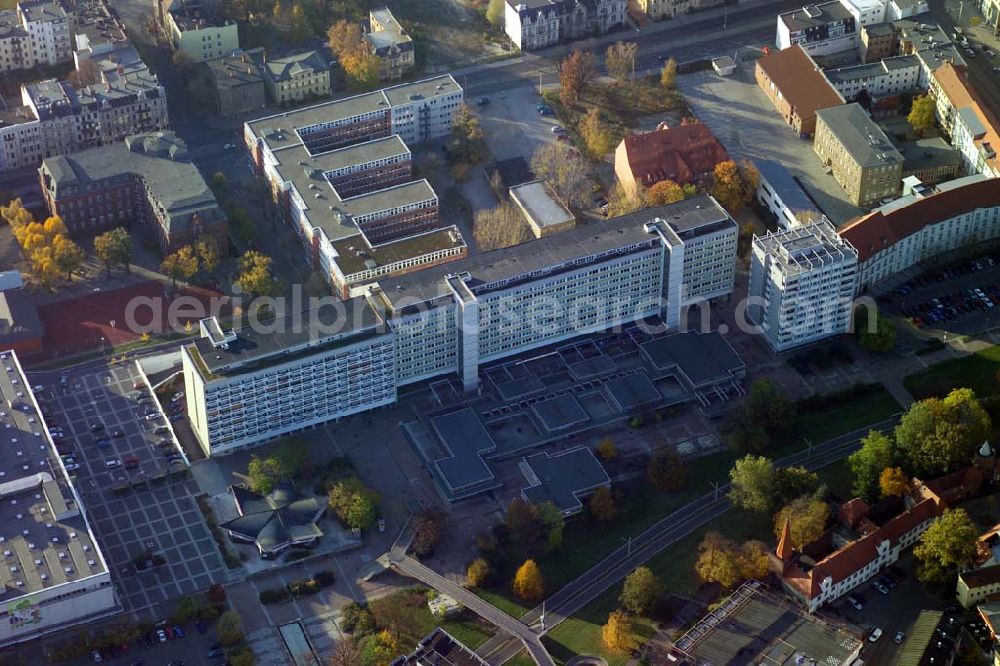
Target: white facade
{"x":201,"y":40}
{"x":901,"y":9}
{"x":20,"y":144}
{"x":971,"y":133}
{"x":36,"y":33}
{"x":802,"y":283}
{"x":892,"y":76}
{"x":537,"y":24}
{"x":821,"y":30}
{"x":866,"y":12}
{"x":532,"y":31}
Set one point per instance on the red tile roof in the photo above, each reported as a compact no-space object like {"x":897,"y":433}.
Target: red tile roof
{"x":800,"y":81}
{"x":877,"y":231}
{"x":784,"y":550}
{"x":982,"y":577}
{"x":682,"y":154}
{"x":852,"y":512}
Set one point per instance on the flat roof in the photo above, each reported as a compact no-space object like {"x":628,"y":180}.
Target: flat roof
{"x":308,"y":330}
{"x":42,"y":10}
{"x":294,"y":154}
{"x":883,"y":67}
{"x":806,"y":247}
{"x":632,"y":392}
{"x":785,"y":186}
{"x":860,"y":136}
{"x":696,"y":216}
{"x":928,"y":154}
{"x":44,"y":537}
{"x":468,"y":442}
{"x":538,"y":200}
{"x":812,"y":16}
{"x":563,"y":478}
{"x":704,"y":358}
{"x":755,"y":625}
{"x":441,"y":649}
{"x":559,"y":412}
{"x":353,"y":254}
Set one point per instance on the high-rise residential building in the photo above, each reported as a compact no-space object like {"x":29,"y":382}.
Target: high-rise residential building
{"x":54,"y":573}
{"x":245,"y":387}
{"x":802,"y":283}
{"x":863,"y":159}
{"x":149,"y":178}
{"x":537,"y":24}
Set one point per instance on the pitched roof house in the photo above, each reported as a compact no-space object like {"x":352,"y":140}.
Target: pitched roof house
{"x":684,"y":154}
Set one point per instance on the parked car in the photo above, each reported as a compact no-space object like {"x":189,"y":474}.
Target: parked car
{"x":875,"y":635}
{"x":880,"y":587}
{"x":130,"y":461}
{"x":161,"y":430}
{"x":117,"y":434}
{"x":855,"y":603}
{"x":111,"y":463}
{"x":102,"y":442}
{"x":482,"y":101}
{"x":96,"y":426}
{"x":557,"y":129}
{"x":71,"y":467}
{"x":177,"y":396}
{"x":898,"y":638}
{"x":381,"y":524}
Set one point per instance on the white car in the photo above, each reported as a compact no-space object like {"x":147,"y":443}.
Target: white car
{"x":71,"y":467}
{"x":177,"y":396}
{"x":381,"y":524}
{"x":153,"y":416}
{"x":875,"y":635}
{"x":111,"y":463}
{"x":899,"y":637}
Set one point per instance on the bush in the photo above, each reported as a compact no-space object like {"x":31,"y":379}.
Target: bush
{"x":324,"y":578}
{"x":301,"y":588}
{"x":356,"y":619}
{"x":273,"y":595}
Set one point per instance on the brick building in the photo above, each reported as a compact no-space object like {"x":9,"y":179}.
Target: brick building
{"x":794,"y":83}
{"x":864,"y":161}
{"x":684,"y":154}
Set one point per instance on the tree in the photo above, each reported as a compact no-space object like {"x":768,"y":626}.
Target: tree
{"x":876,"y":454}
{"x":565,"y":171}
{"x":620,"y":60}
{"x":575,"y":72}
{"x":947,"y":546}
{"x":345,"y":653}
{"x":427,"y":534}
{"x":753,"y":560}
{"x":807,"y":518}
{"x":255,"y":276}
{"x":299,"y":24}
{"x":664,"y":192}
{"x":217,"y":595}
{"x":478,"y":574}
{"x":892,"y":482}
{"x":602,"y":505}
{"x":752,"y":483}
{"x":523,"y":526}
{"x":354,"y":504}
{"x":793,"y":482}
{"x":617,"y":633}
{"x":241,"y":656}
{"x":499,"y":227}
{"x":668,"y":75}
{"x":552,"y":520}
{"x":606,"y":449}
{"x":467,"y":135}
{"x":265,"y":474}
{"x":495,"y":13}
{"x":114,"y":248}
{"x":188,"y":608}
{"x":181,"y":265}
{"x":640,"y":591}
{"x":230,"y":628}
{"x":207,"y":250}
{"x":937,"y":436}
{"x":718,"y":560}
{"x":734,"y":185}
{"x":768,"y":409}
{"x":596,"y":133}
{"x":67,"y":255}
{"x":622,"y":202}
{"x":921,"y":116}
{"x":344,"y":36}
{"x":379,"y":649}
{"x":361,"y":67}
{"x":528,"y":582}
{"x":665,"y":470}
{"x":878,"y":336}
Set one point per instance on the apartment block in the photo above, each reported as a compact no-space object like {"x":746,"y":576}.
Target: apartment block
{"x":974,"y":129}
{"x":537,"y":24}
{"x":828,"y":32}
{"x":795,"y":84}
{"x":55,"y":575}
{"x":449,"y":319}
{"x":149,"y":178}
{"x":48,"y":27}
{"x":387,"y":39}
{"x":886,"y":78}
{"x":341,"y":175}
{"x":195,"y":32}
{"x":863,"y":160}
{"x":709,"y":235}
{"x":296,"y":78}
{"x":802,"y":283}
{"x":665,"y":9}
{"x":878,"y":41}
{"x":239,"y":83}
{"x":922,"y":225}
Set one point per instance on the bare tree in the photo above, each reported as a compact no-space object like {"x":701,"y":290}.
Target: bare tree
{"x":499,"y":227}
{"x":565,"y":171}
{"x":345,"y":653}
{"x":620,"y":60}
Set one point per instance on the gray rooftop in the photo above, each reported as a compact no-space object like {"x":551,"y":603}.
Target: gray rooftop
{"x":785,"y":185}
{"x":238,"y":69}
{"x":873,"y":69}
{"x":160,"y":159}
{"x":10,"y":25}
{"x":467,"y":442}
{"x":290,"y":334}
{"x":862,"y":138}
{"x":563,"y":478}
{"x":298,"y":64}
{"x":704,"y":359}
{"x":696,"y":216}
{"x":391,"y":34}
{"x":541,"y":203}
{"x":928,"y":154}
{"x":806,"y":247}
{"x":812,"y":16}
{"x":44,"y":537}
{"x":933,"y":46}
{"x":18,"y":318}
{"x":42,"y":10}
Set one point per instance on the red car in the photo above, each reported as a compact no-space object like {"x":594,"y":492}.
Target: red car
{"x":130,"y":461}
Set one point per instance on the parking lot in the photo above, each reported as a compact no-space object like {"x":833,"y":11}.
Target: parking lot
{"x":512,"y":125}
{"x":742,"y":118}
{"x":140,"y":504}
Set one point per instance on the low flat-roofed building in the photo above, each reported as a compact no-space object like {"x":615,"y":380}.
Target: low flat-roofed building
{"x":755,"y":624}
{"x":724,"y":66}
{"x":931,"y":160}
{"x":705,"y":362}
{"x":54,"y":574}
{"x":783,"y":196}
{"x":541,"y":207}
{"x":863,"y":160}
{"x":565,"y":478}
{"x":297,"y":77}
{"x":683,"y":154}
{"x":239,"y":83}
{"x":935,"y":638}
{"x":387,"y":40}
{"x":440,"y":649}
{"x":21,"y":328}
{"x":795,"y":84}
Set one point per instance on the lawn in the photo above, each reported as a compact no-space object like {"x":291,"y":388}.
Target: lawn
{"x":640,"y":506}
{"x":407,"y":611}
{"x":977,"y":371}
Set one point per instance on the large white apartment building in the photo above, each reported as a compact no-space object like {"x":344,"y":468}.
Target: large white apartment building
{"x":710,"y":236}
{"x":195,"y":32}
{"x":802,"y":283}
{"x":891,"y":76}
{"x":54,"y":574}
{"x":35,"y":33}
{"x":974,"y":130}
{"x":921,"y":225}
{"x":245,"y":388}
{"x":537,"y":24}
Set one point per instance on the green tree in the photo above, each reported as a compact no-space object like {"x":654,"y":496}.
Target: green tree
{"x":718,"y":561}
{"x":665,"y":470}
{"x":354,"y":504}
{"x":495,"y":12}
{"x":641,"y":591}
{"x":230,"y":628}
{"x":553,"y":522}
{"x":180,"y":265}
{"x":299,"y":24}
{"x":937,"y":436}
{"x":114,"y":248}
{"x":752,"y":483}
{"x":791,"y":483}
{"x":807,"y":520}
{"x":921,"y":116}
{"x":876,"y":453}
{"x":188,"y":608}
{"x":878,"y":336}
{"x":67,"y":255}
{"x":255,"y":276}
{"x":526,"y":532}
{"x":266,"y":473}
{"x":361,"y":512}
{"x":946,"y":547}
{"x":467,"y":135}
{"x":379,"y":649}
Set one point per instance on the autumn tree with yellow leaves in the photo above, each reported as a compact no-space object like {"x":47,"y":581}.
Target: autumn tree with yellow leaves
{"x":46,"y":245}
